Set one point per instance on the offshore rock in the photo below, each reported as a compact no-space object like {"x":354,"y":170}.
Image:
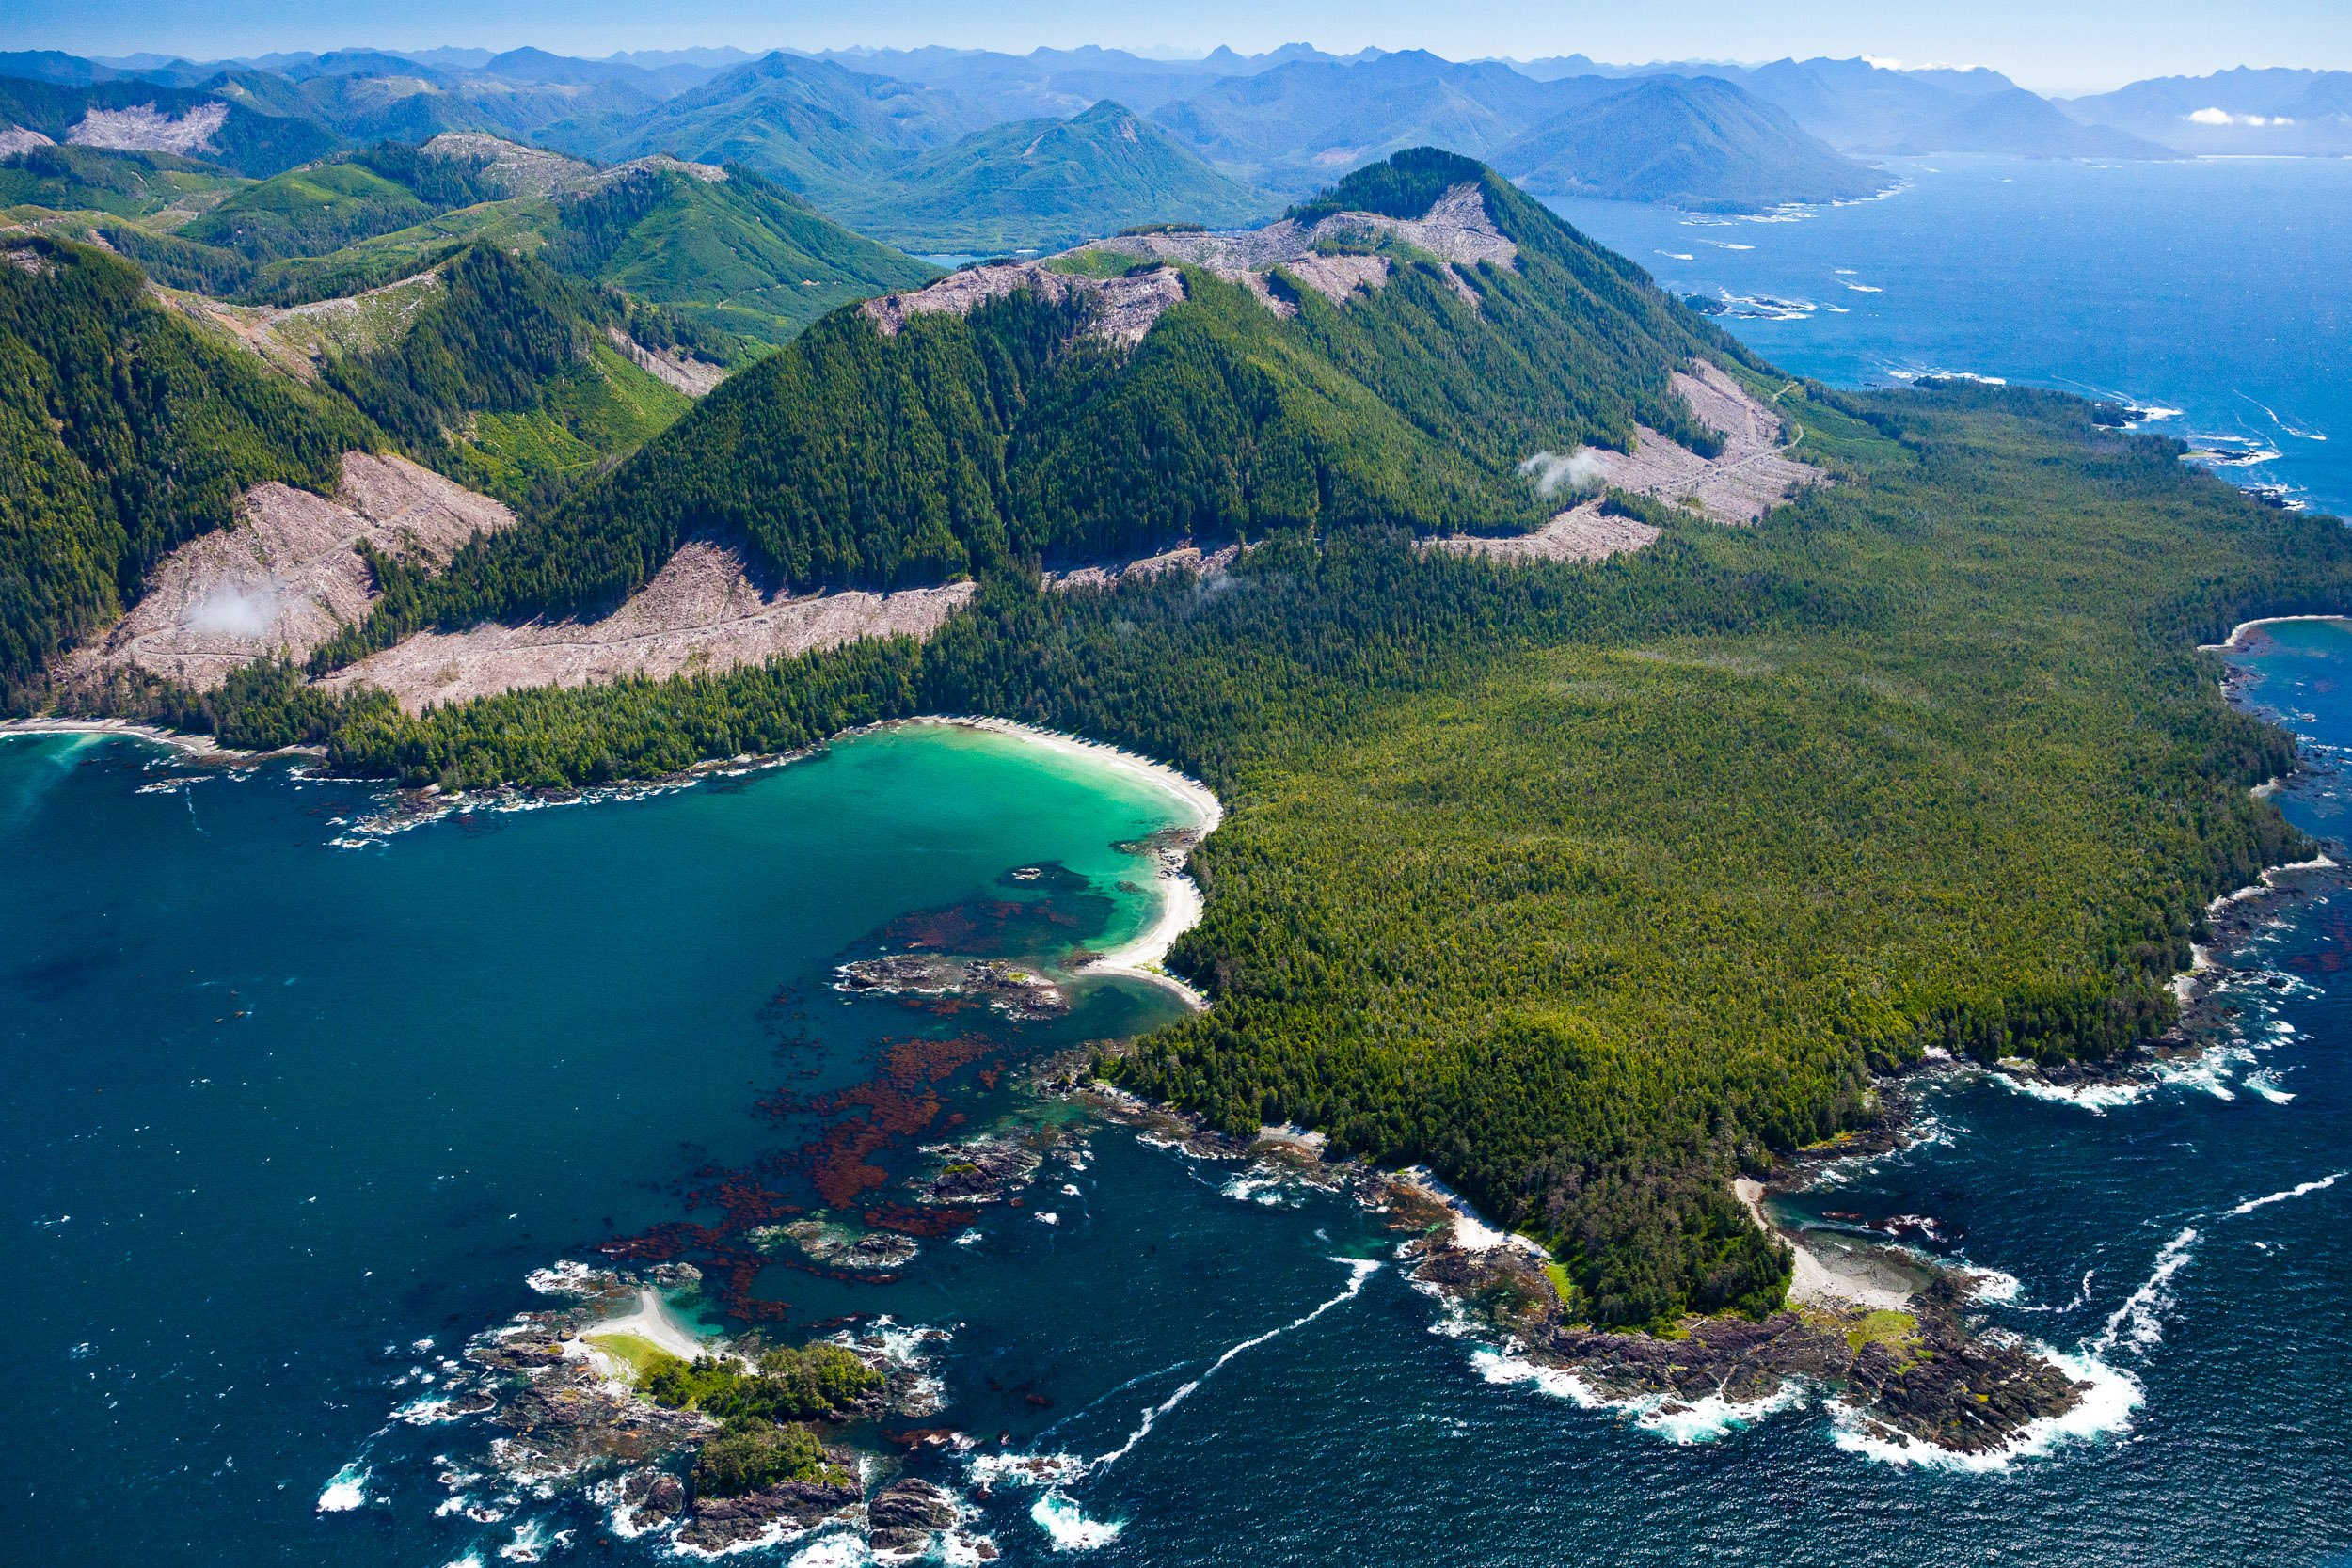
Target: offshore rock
{"x":1020,"y":994}
{"x":786,"y":1509}
{"x":905,"y":1516}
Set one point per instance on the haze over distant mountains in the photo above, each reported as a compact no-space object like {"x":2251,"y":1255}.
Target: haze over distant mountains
{"x":940,"y":149}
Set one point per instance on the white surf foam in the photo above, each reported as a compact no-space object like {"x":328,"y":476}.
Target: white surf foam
{"x":1068,"y":1529}
{"x":2104,"y":1409}
{"x":2302,"y":1190}
{"x":2138,"y":1323}
{"x":346,"y":1490}
{"x":1679,"y":1421}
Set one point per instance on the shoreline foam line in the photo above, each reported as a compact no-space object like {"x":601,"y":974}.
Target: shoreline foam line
{"x":195,"y":745}
{"x":1139,"y":958}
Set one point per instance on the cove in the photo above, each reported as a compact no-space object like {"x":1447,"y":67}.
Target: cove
{"x":277,"y":1112}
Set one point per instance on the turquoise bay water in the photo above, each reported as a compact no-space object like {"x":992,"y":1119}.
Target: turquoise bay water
{"x":2214,"y":288}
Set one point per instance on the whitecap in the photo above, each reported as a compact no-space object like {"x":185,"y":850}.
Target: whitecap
{"x":531,"y":1542}
{"x":839,"y":1550}
{"x":564,"y":1277}
{"x":1066,"y":1527}
{"x":1361,"y":1269}
{"x":970,"y":1238}
{"x":1865,"y":288}
{"x":1995,"y":1287}
{"x":1025,"y":1470}
{"x":964,"y":1549}
{"x":347,"y":1490}
{"x":1046,"y":1216}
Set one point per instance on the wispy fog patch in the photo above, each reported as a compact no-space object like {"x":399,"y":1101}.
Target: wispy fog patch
{"x":236,"y":612}
{"x":1574,"y":472}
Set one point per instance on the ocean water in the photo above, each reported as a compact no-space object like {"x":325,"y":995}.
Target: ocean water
{"x":2213,"y":290}
{"x":280,"y":1112}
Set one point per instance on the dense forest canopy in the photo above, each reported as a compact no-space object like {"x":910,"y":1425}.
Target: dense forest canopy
{"x":1589,"y":885}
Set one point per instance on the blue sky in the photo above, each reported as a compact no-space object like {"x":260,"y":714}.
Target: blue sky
{"x":2052,"y":45}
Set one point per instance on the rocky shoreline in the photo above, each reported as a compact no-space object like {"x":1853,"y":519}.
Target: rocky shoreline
{"x":564,"y":1392}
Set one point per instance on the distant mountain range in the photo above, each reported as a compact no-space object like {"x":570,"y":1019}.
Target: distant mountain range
{"x":967,"y":152}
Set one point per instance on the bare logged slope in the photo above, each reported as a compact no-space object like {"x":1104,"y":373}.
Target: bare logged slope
{"x":701,"y":614}
{"x":286,"y":575}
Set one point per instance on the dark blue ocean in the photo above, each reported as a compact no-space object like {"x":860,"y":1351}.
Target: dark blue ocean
{"x":294,"y":1107}
{"x":2212,"y":291}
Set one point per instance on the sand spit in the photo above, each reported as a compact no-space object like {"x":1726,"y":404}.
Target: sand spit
{"x":1823,"y":1278}
{"x":2238,"y":640}
{"x":701,"y":614}
{"x":1737,"y":486}
{"x":285,"y":576}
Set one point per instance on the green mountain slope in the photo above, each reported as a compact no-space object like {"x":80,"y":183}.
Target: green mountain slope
{"x":124,"y":432}
{"x":1045,"y":184}
{"x":738,"y":254}
{"x":1697,"y":143}
{"x":85,"y":178}
{"x":964,"y":443}
{"x":506,"y":379}
{"x":304,"y":212}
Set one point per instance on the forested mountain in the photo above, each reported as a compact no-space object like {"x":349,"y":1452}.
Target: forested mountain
{"x":2241,"y":111}
{"x":1701,"y":142}
{"x":1294,"y":127}
{"x":740,"y":261}
{"x":986,"y":434}
{"x":1589,"y":885}
{"x":738,"y":255}
{"x":816,"y":126}
{"x":2018,"y":124}
{"x":1047,"y":184}
{"x":1696,"y":143}
{"x":506,"y":376}
{"x":123,"y":431}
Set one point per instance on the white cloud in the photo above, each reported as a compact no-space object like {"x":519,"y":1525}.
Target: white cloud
{"x":2223,"y":116}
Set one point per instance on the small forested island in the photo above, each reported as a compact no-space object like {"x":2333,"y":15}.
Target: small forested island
{"x":1635,"y":758}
